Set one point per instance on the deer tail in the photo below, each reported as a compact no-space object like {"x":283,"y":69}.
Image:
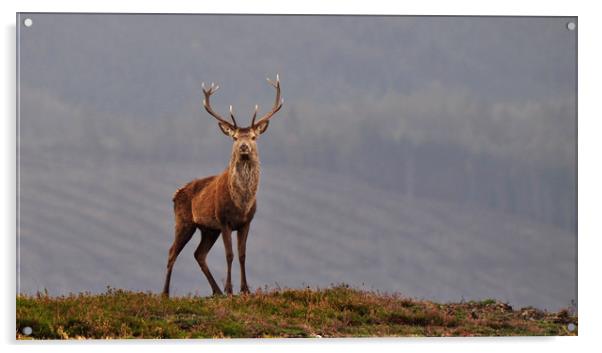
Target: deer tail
{"x":177,"y":194}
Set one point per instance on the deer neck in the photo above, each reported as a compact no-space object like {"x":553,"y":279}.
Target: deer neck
{"x":243,"y":181}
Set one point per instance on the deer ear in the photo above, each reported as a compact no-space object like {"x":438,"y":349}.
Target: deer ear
{"x":262,"y":127}
{"x":227,"y":130}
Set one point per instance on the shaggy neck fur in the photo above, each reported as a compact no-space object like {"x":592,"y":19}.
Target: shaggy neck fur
{"x":243,"y":181}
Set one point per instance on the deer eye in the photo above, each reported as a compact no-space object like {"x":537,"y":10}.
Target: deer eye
{"x":253,"y":138}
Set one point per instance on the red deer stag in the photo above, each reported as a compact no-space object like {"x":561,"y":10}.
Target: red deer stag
{"x":222,"y":203}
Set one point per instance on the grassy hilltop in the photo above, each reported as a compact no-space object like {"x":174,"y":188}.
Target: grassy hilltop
{"x":339,"y":311}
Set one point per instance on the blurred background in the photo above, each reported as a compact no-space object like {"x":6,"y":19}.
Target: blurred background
{"x":431,"y":156}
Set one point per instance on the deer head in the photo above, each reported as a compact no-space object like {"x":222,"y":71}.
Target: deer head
{"x":244,"y":147}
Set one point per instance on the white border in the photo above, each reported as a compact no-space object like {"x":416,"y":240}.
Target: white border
{"x":589,"y":179}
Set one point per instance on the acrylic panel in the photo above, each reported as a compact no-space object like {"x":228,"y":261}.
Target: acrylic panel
{"x":418,"y":179}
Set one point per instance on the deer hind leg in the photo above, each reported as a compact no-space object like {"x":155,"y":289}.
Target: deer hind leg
{"x":208,"y":238}
{"x":184,"y":232}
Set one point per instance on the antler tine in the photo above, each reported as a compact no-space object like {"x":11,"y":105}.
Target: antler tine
{"x":207,"y":104}
{"x":277,"y":103}
{"x":254,"y":115}
{"x":232,"y":116}
{"x":275,"y":84}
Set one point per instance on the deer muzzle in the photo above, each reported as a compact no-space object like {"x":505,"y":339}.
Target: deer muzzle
{"x":244,"y":149}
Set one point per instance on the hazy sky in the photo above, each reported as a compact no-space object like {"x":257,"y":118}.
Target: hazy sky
{"x":502,"y":85}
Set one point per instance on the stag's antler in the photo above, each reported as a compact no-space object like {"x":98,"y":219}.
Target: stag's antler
{"x":277,"y":104}
{"x":207,"y":105}
{"x":232,"y":116}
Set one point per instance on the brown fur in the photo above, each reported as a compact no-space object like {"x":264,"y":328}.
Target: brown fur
{"x":216,"y":204}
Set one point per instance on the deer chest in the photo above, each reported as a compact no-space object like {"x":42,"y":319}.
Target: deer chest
{"x":236,"y":217}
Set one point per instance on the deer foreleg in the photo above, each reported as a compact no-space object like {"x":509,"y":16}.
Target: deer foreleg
{"x":227,"y":236}
{"x":242,"y":250}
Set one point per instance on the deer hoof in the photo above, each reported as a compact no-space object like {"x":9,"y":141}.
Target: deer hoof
{"x":228,"y":289}
{"x":217,"y":293}
{"x":245,"y":289}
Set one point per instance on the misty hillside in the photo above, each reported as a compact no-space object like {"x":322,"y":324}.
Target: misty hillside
{"x":435,"y":156}
{"x":465,"y":110}
{"x":86,"y":225}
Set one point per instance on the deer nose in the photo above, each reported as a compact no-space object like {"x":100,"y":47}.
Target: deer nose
{"x":244,"y":148}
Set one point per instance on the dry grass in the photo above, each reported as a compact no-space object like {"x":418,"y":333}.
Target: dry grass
{"x":339,"y":311}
